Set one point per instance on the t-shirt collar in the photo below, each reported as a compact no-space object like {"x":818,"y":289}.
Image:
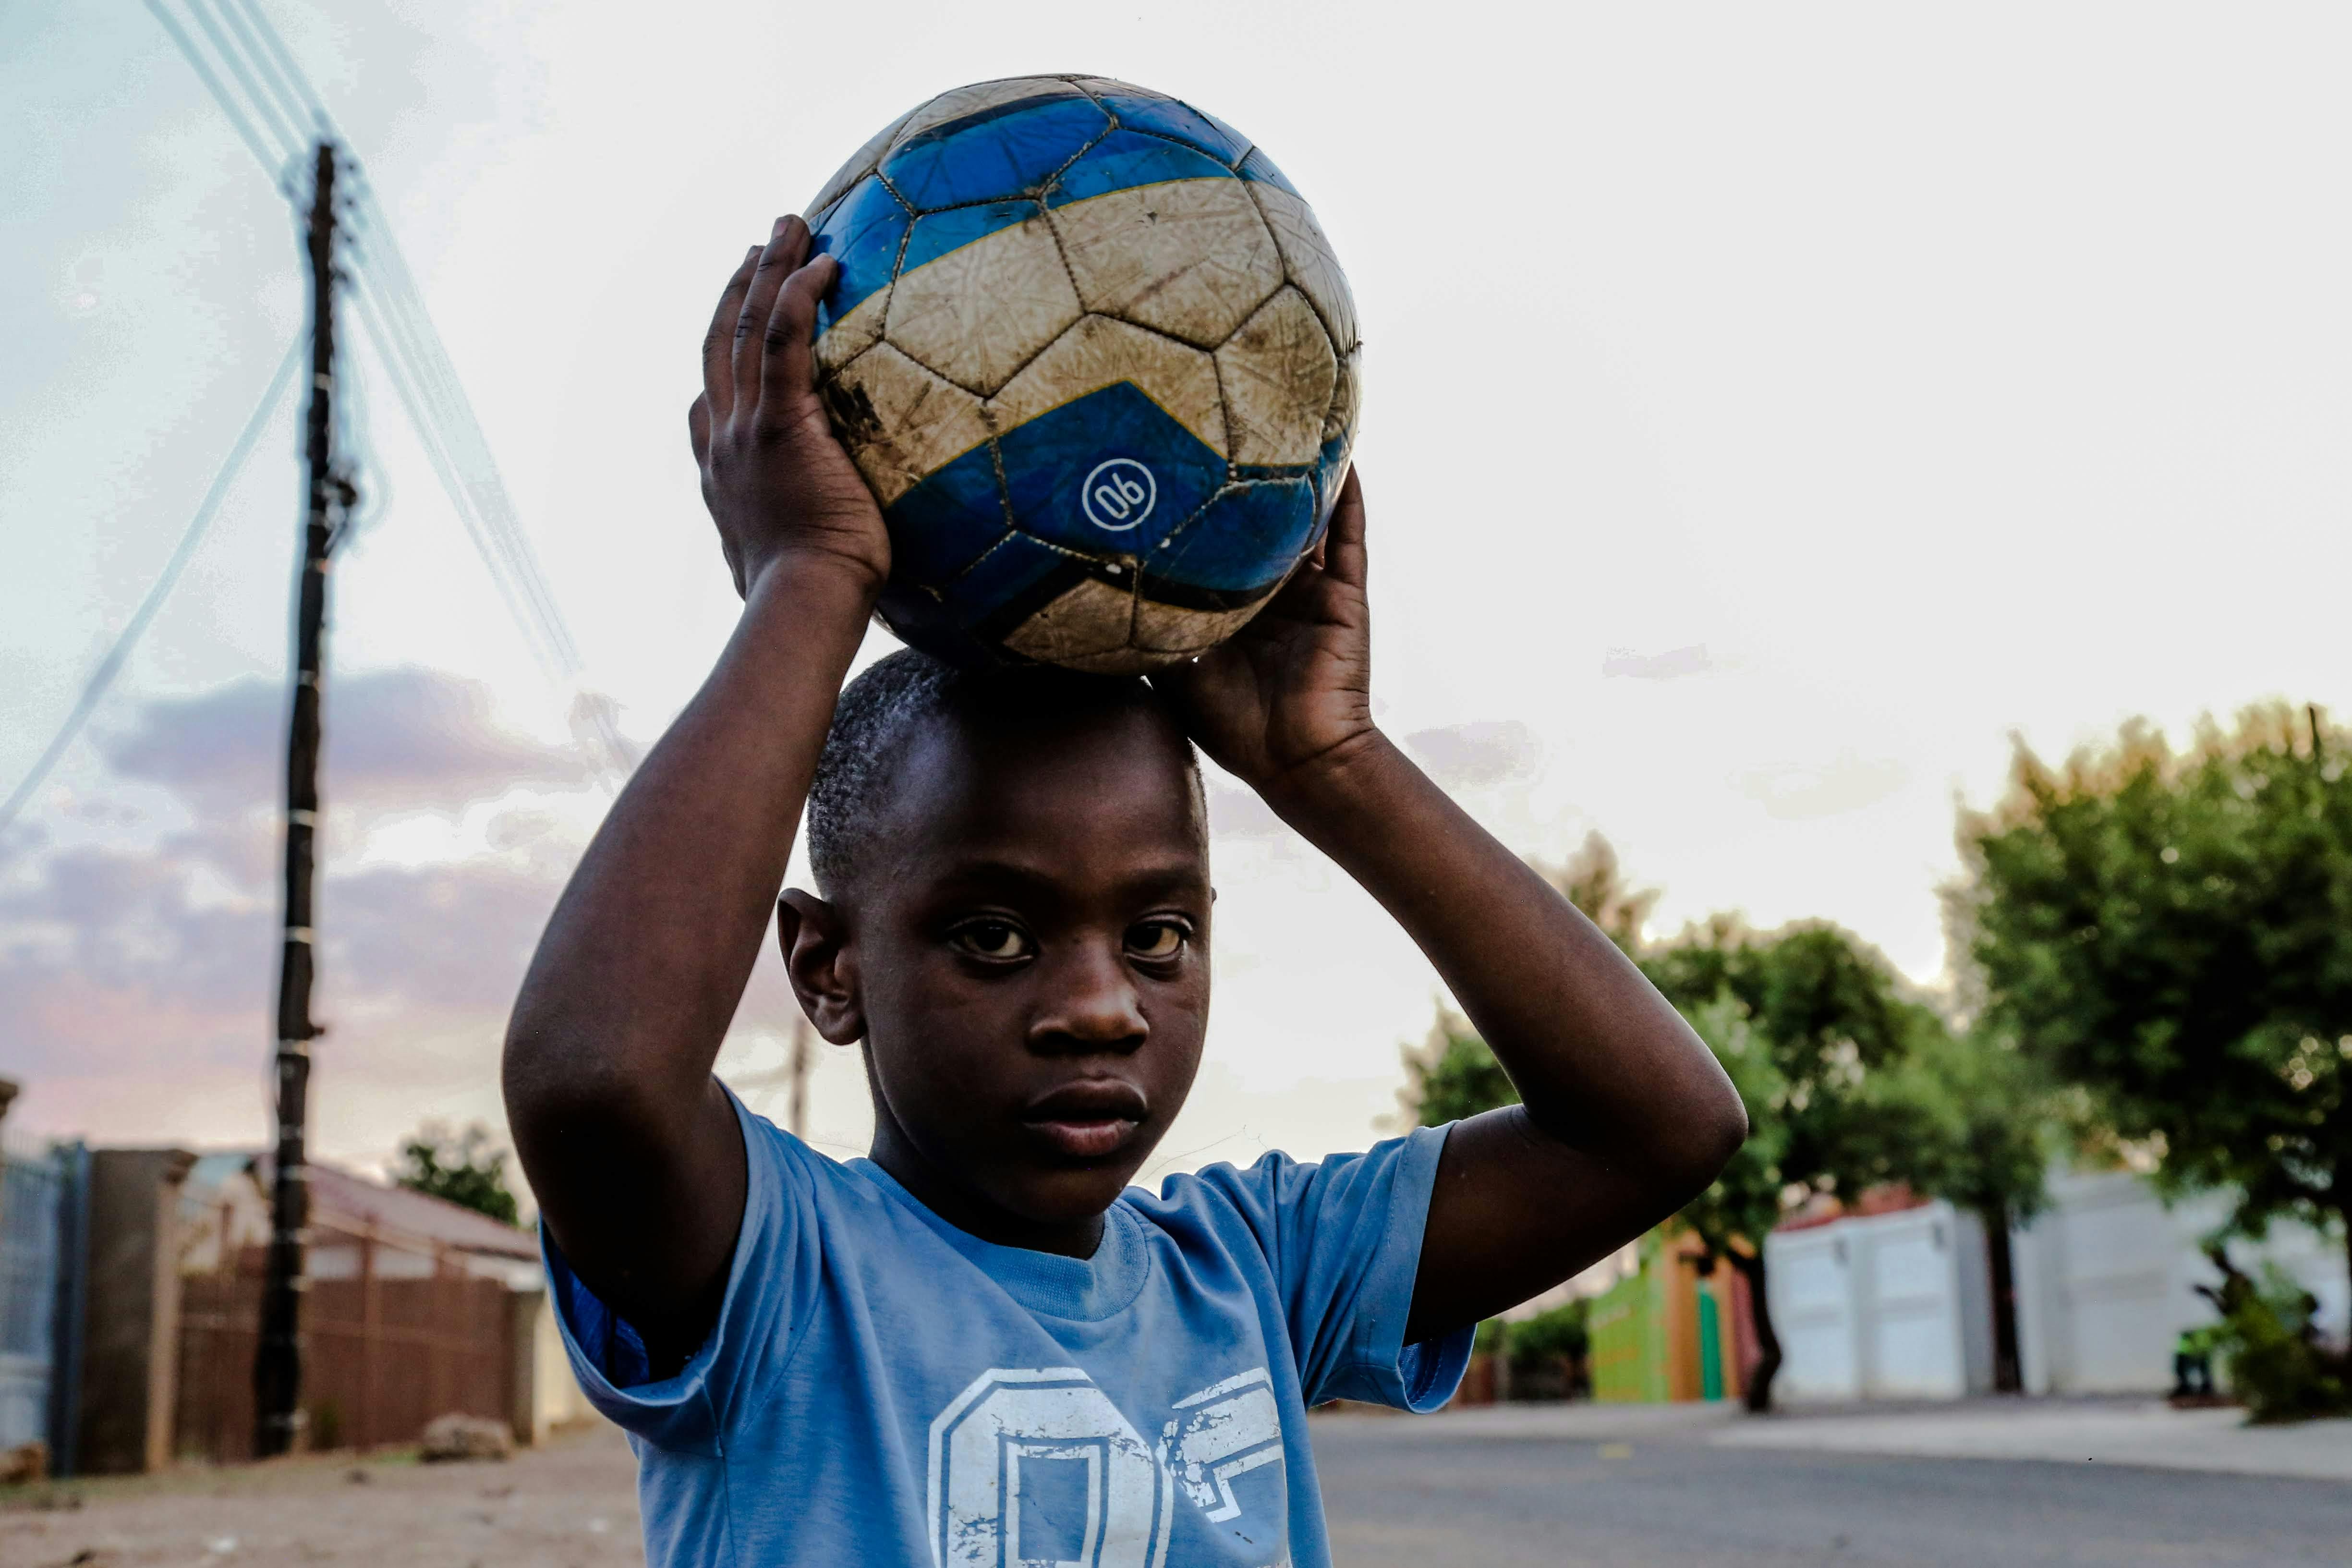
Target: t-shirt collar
{"x":1086,"y":1290}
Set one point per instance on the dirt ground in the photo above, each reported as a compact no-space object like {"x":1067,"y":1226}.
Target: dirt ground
{"x":570,"y":1504}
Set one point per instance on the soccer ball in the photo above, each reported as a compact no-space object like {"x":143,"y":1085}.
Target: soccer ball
{"x":1093,"y":355}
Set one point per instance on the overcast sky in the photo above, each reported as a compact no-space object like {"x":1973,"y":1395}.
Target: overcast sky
{"x":1770,"y":410}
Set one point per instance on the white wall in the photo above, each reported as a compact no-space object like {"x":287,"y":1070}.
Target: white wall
{"x":2106,"y":1278}
{"x":1808,"y":1281}
{"x":557,"y":1400}
{"x":1883,"y":1306}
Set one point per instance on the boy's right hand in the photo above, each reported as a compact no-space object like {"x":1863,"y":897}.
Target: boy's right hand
{"x":779,"y":484}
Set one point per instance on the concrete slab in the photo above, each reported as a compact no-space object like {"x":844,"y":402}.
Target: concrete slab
{"x":2074,"y":1432}
{"x":2149,"y":1432}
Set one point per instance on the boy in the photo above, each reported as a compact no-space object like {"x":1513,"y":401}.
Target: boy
{"x":980,"y":1346}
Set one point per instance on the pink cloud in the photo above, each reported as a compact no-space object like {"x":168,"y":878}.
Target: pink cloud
{"x":139,"y":979}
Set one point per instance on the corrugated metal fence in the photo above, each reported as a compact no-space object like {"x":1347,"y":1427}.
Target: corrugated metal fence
{"x":34,"y":1211}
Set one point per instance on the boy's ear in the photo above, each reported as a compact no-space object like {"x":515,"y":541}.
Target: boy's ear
{"x":815,"y":940}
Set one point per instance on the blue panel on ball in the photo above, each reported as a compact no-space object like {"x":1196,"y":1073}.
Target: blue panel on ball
{"x":936,"y":234}
{"x":1166,"y":117}
{"x":862,"y":233}
{"x":998,"y":154}
{"x":1330,"y":473}
{"x":1107,"y":474}
{"x":947,"y":521}
{"x":1127,"y":158}
{"x":1004,"y":581}
{"x":1240,"y":544}
{"x":1258,"y":166}
{"x":962,"y":621}
{"x":921,"y":621}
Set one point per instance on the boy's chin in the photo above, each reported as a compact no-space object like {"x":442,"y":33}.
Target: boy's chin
{"x":1064,"y":1194}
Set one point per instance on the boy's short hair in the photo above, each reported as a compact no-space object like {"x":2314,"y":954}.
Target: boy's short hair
{"x":895,"y":697}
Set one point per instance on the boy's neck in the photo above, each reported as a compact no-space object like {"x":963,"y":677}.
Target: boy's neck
{"x":971,"y":1213}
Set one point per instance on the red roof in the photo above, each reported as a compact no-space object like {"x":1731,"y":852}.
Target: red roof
{"x":1822,"y":1209}
{"x":359,"y":1202}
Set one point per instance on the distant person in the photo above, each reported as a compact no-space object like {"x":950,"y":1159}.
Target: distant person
{"x":2192,"y":1362}
{"x":979,"y":1344}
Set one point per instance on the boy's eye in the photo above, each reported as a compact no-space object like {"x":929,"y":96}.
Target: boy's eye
{"x":1155,"y":940}
{"x":999,"y":942}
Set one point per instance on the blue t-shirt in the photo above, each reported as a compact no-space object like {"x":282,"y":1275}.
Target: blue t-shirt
{"x":882,"y":1388}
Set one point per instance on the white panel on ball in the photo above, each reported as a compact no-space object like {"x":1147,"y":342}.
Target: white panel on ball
{"x":1088,"y":623}
{"x":1188,"y":257}
{"x":899,"y":421}
{"x":1099,"y":352}
{"x":1172,"y":629}
{"x":855,"y":332}
{"x":1278,"y":374}
{"x":1347,"y":397}
{"x":1306,"y":257}
{"x":978,"y":314}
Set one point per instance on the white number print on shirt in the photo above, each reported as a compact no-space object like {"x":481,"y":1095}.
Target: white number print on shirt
{"x":1035,"y":1468}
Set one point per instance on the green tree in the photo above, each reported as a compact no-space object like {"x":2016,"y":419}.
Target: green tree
{"x":1751,"y":1192}
{"x":1452,"y":1075}
{"x":1968,"y":1117}
{"x":1804,"y":1020}
{"x":1848,"y":1081}
{"x":465,"y":1168}
{"x":1557,"y":1334}
{"x":2173,"y":931}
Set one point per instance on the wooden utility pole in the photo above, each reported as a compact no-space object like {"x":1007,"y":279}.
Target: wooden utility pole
{"x":277,"y":1360}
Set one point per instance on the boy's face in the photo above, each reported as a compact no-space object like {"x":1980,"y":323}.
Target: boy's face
{"x":1029,"y":946}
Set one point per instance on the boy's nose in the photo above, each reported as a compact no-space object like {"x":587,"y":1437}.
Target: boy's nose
{"x":1095,"y":1006}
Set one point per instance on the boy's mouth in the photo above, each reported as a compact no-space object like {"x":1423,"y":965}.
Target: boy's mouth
{"x":1089,"y":1118}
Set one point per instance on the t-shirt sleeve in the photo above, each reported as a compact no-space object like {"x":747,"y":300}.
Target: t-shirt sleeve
{"x":772,"y":1282}
{"x":1344,"y":1240}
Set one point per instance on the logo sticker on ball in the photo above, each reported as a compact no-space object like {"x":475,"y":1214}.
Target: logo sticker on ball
{"x":1119,"y":494}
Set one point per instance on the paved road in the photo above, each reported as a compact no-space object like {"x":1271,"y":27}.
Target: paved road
{"x":1566,"y":1487}
{"x":1664,"y":1492}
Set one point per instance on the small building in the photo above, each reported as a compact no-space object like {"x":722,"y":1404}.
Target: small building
{"x":1895,"y":1305}
{"x":415,"y":1307}
{"x":2107,"y":1278}
{"x":131,"y":1284}
{"x":1900,"y":1304}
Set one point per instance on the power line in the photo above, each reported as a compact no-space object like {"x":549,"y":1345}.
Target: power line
{"x":288,"y":128}
{"x":498,"y":535}
{"x":436,"y":397}
{"x":407,"y":346}
{"x":127,"y":639}
{"x":461,"y":459}
{"x":287,"y":83}
{"x":478,"y":490}
{"x":220,"y":95}
{"x":391,"y":353}
{"x":292,"y":73}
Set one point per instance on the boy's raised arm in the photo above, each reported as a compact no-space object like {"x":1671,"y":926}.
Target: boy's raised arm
{"x":629,"y":1143}
{"x":1626,"y":1115}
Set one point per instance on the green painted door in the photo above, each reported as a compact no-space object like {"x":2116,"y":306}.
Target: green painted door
{"x":1711,"y":1348}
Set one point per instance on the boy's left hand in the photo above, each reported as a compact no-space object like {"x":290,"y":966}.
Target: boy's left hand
{"x":1292,"y":690}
